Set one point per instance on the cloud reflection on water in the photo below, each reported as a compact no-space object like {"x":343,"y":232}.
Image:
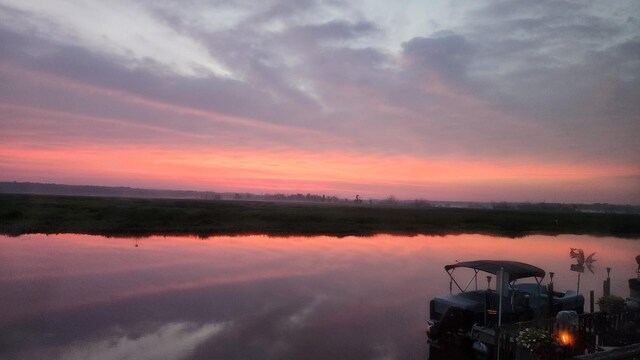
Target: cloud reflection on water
{"x":170,"y":341}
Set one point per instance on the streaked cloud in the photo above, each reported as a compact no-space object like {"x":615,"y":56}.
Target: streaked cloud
{"x":122,"y":30}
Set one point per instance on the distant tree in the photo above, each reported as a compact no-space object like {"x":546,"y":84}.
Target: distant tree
{"x":420,"y":203}
{"x":391,"y":200}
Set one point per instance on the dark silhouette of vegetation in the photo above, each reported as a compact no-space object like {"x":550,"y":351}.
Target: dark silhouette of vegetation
{"x":21,"y":214}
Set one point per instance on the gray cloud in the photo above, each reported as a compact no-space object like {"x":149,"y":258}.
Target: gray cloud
{"x":564,"y":66}
{"x":341,"y":30}
{"x":287,"y":9}
{"x":445,"y":52}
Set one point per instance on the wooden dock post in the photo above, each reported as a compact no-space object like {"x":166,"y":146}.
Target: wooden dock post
{"x":550,"y":294}
{"x":606,"y":286}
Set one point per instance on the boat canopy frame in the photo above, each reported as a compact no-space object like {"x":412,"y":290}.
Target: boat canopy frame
{"x":515,"y":269}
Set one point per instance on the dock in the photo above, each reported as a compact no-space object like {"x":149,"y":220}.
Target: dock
{"x":595,"y":336}
{"x":629,"y":352}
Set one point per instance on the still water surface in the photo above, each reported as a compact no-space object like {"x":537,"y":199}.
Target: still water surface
{"x":253,"y":297}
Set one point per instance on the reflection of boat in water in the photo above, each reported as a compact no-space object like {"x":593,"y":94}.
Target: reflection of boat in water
{"x":633,"y":301}
{"x":469,"y":314}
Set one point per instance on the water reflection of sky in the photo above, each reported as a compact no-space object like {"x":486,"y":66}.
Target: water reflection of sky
{"x":80,"y":296}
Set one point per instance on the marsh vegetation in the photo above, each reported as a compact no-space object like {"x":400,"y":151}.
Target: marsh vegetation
{"x":22,"y":214}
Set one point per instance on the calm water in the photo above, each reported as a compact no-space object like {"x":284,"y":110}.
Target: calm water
{"x":254,"y":297}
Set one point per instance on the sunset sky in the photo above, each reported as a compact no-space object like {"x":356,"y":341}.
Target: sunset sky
{"x":440,"y":100}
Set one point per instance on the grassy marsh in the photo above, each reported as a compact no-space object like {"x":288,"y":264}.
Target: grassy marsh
{"x":22,"y":214}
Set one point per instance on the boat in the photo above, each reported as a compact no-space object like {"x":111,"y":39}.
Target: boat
{"x":472,"y":314}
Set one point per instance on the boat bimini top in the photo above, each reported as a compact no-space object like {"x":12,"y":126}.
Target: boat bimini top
{"x":516,"y":270}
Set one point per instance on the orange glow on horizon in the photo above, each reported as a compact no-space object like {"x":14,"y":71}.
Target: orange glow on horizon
{"x":281,"y":170}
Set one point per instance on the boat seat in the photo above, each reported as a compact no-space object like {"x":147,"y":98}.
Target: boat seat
{"x":520,"y":300}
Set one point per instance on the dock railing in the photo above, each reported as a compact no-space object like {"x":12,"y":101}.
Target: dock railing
{"x":592,"y":331}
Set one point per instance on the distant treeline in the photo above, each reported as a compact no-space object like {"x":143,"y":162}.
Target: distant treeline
{"x":288,"y":197}
{"x":128,"y":192}
{"x":100,"y":191}
{"x":559,"y":207}
{"x":23,"y":214}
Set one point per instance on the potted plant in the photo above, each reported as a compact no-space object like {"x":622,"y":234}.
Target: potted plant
{"x":539,"y":344}
{"x":611,"y":304}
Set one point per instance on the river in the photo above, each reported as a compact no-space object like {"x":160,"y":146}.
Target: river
{"x":74,"y":296}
